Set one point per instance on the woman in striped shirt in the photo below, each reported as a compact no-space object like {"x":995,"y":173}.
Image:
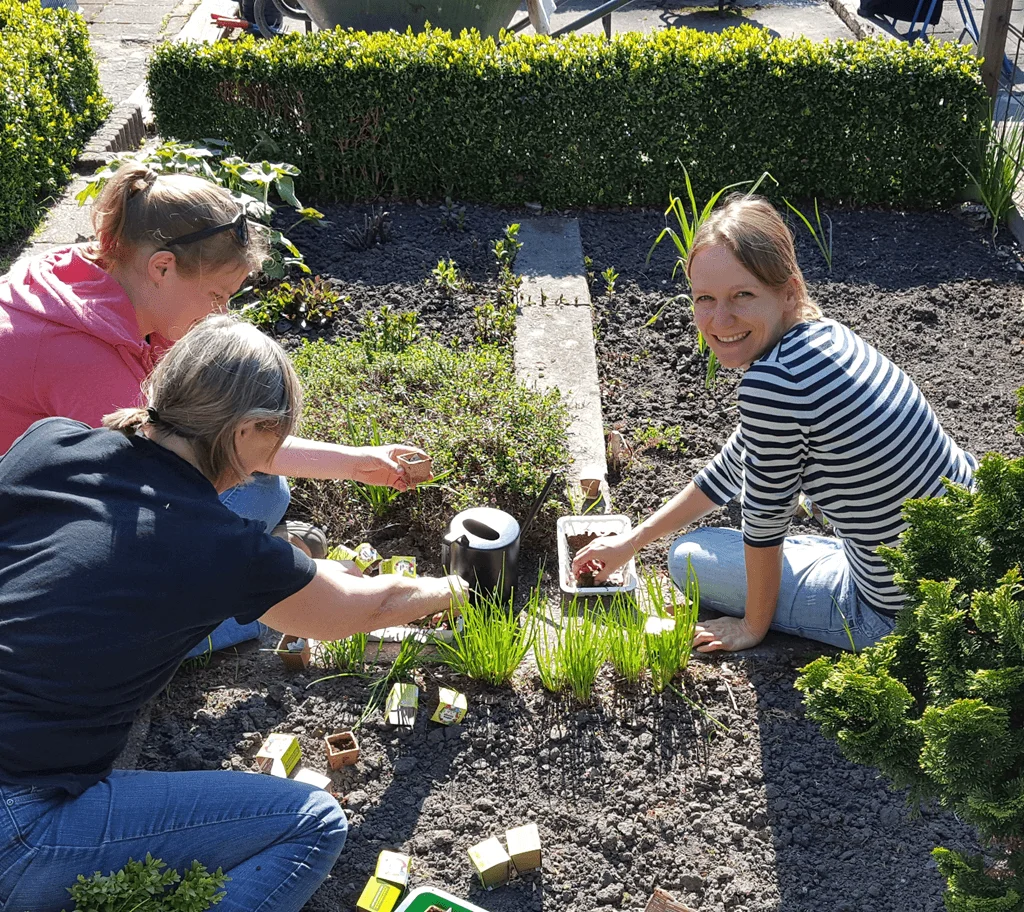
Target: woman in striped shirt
{"x":822,"y":414}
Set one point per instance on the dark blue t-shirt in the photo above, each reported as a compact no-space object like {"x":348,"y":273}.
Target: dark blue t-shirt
{"x":116,"y":558}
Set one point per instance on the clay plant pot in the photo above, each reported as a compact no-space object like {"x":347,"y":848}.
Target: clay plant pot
{"x":294,"y":659}
{"x":418,"y":469}
{"x":342,"y":749}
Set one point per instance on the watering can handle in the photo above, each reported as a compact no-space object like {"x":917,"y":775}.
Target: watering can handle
{"x":537,"y":504}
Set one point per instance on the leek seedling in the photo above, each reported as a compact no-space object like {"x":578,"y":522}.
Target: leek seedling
{"x":345,"y":655}
{"x":626,"y":639}
{"x":582,"y":650}
{"x":669,"y":650}
{"x":491,"y":643}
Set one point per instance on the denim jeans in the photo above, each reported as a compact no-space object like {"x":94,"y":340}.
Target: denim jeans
{"x":265,"y":499}
{"x":275,"y":838}
{"x":817,"y":599}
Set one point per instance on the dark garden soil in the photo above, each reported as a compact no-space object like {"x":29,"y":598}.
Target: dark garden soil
{"x":739,"y":805}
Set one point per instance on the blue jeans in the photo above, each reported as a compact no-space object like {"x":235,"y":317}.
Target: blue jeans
{"x":817,"y":599}
{"x":275,"y":838}
{"x":265,"y":499}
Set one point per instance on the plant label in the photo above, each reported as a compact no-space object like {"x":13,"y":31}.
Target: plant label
{"x":451,"y":707}
{"x":492,"y":863}
{"x":393,"y":867}
{"x":378,"y":896}
{"x":524,"y":847}
{"x":403,"y":701}
{"x":279,"y":755}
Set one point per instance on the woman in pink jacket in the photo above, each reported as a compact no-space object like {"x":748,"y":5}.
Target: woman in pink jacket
{"x":81,"y":327}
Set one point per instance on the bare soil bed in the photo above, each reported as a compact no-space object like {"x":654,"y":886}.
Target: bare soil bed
{"x":739,"y":805}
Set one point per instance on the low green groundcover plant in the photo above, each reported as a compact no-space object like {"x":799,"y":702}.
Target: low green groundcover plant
{"x":493,"y":440}
{"x":430,"y":116}
{"x":144,"y":886}
{"x":938,"y":706}
{"x":50,"y":103}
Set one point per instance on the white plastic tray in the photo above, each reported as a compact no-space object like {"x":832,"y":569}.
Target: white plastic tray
{"x":579,"y":525}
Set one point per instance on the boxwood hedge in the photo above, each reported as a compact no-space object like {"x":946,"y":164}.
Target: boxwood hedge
{"x":50,"y":103}
{"x":581,"y":120}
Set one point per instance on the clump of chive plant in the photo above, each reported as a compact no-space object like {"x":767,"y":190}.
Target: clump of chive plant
{"x":669,"y":649}
{"x":491,"y":642}
{"x":626,"y":639}
{"x":572,"y":656}
{"x":345,"y":655}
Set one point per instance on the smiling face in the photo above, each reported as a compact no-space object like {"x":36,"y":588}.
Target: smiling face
{"x":740,"y":317}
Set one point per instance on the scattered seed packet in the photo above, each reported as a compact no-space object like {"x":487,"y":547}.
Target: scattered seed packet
{"x":451,"y":706}
{"x":393,"y":867}
{"x":402,"y":703}
{"x":399,"y":565}
{"x":279,"y":755}
{"x":312,"y":777}
{"x":378,"y":896}
{"x":491,"y":862}
{"x":524,"y":847}
{"x":366,"y":556}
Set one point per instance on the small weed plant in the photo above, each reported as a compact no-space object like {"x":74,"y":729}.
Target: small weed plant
{"x":507,"y":248}
{"x":495,"y":323}
{"x":669,"y":649}
{"x":144,"y":886}
{"x":250,"y":182}
{"x":667,"y":437}
{"x":447,"y":277}
{"x":817,"y":231}
{"x":492,"y":641}
{"x":453,"y":218}
{"x":609,"y":276}
{"x":311,"y":302}
{"x":388,"y":331}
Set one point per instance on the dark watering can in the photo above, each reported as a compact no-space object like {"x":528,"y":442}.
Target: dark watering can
{"x":482,"y":546}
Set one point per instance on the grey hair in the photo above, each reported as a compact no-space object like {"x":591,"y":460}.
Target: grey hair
{"x":221,"y":374}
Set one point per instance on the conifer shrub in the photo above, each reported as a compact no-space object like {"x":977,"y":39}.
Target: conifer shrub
{"x":938,"y":706}
{"x":50,"y":103}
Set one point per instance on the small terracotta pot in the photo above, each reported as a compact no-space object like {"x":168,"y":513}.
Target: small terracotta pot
{"x":342,"y":749}
{"x":417,"y":468}
{"x":294,"y":660}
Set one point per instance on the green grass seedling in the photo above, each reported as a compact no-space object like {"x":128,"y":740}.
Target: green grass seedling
{"x":583,"y":648}
{"x":669,"y":651}
{"x":547,"y":651}
{"x":346,"y":655}
{"x":491,"y":643}
{"x":626,"y":639}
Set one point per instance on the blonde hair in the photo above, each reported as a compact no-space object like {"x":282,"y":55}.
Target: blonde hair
{"x":222,"y":373}
{"x":139,"y":208}
{"x":751,"y":228}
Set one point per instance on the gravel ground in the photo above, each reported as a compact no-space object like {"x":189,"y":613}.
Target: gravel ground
{"x":721,"y":792}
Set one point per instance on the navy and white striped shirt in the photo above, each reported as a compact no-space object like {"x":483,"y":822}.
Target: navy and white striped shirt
{"x":825,"y":414}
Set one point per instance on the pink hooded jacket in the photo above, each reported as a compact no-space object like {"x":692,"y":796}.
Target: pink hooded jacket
{"x":69,"y":344}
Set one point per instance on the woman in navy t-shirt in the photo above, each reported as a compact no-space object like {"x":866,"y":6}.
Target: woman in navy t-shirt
{"x":116,"y":558}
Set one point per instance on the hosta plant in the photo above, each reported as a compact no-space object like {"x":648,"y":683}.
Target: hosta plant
{"x":938,"y":706}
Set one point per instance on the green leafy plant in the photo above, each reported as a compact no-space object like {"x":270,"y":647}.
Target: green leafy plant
{"x":999,"y":168}
{"x":144,"y":886}
{"x":492,"y":642}
{"x":609,"y":276}
{"x":816,"y":230}
{"x":250,"y":182}
{"x":311,"y":302}
{"x":388,"y":331}
{"x":428,"y":115}
{"x":51,"y":102}
{"x":447,"y":277}
{"x":378,"y":497}
{"x":655,"y":436}
{"x":453,"y":218}
{"x":627,"y":639}
{"x":935,"y":706}
{"x":669,"y":648}
{"x":507,"y":248}
{"x":1020,"y":410}
{"x":495,"y":324}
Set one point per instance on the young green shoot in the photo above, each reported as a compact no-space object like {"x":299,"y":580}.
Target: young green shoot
{"x":492,"y":641}
{"x":345,"y":655}
{"x":583,"y":650}
{"x":609,"y":276}
{"x":378,"y":497}
{"x":818,"y":233}
{"x":626,"y":639}
{"x":1000,"y":168}
{"x":669,"y":648}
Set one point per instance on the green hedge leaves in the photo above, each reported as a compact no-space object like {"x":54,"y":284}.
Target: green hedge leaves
{"x":50,"y":103}
{"x":580,"y":120}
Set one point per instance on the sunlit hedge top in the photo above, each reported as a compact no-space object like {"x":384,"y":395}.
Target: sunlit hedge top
{"x":581,"y":120}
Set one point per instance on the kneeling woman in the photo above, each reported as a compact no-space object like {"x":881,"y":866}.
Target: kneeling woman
{"x":821,"y":413}
{"x":116,"y":558}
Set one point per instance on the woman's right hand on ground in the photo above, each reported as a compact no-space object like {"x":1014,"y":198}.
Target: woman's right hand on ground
{"x":609,"y":553}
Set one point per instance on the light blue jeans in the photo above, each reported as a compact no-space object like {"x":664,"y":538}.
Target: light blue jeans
{"x":817,"y":599}
{"x":275,"y":838}
{"x":265,"y":499}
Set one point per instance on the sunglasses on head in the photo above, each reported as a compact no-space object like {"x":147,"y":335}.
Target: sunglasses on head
{"x":239,"y":225}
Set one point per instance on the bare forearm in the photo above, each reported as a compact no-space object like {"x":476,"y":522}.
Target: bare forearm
{"x":301,"y":458}
{"x":685,"y":508}
{"x":764,"y":576}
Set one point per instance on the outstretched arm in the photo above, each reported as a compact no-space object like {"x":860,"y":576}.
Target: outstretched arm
{"x":335,"y":604}
{"x":376,"y":465}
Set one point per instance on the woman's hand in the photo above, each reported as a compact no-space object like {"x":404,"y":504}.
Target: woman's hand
{"x":725,"y":634}
{"x":378,"y":465}
{"x":605,"y":555}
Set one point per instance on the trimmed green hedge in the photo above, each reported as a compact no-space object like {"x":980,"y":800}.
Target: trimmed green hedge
{"x":50,"y":103}
{"x":578,"y":120}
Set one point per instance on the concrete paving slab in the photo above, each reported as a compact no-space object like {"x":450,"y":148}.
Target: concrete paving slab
{"x":555,"y":339}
